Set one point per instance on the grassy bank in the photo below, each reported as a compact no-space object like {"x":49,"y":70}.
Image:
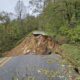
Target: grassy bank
{"x":71,"y":53}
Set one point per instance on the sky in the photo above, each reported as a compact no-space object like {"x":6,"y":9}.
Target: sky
{"x":9,"y":5}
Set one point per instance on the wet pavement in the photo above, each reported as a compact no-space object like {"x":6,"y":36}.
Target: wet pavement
{"x":36,"y":67}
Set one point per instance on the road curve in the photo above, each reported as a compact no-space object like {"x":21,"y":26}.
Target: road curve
{"x":36,"y":67}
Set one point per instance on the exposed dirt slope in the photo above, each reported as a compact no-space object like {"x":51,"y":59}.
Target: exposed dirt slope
{"x":34,"y":44}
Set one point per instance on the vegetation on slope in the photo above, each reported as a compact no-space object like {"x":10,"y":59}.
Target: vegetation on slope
{"x":73,"y":52}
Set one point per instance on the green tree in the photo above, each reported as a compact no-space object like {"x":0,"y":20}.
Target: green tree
{"x":5,"y":18}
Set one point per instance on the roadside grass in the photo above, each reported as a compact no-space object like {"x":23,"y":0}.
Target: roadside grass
{"x":72,"y":52}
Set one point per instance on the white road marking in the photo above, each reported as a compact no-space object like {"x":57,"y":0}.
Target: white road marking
{"x":4,"y":61}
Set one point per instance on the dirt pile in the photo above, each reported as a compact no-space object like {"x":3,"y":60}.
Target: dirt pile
{"x":40,"y":44}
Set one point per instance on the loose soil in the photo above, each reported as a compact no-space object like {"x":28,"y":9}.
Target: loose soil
{"x":39,"y":45}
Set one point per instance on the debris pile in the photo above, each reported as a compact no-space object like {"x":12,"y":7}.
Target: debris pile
{"x":35,"y":44}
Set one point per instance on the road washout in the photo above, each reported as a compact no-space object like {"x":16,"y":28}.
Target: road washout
{"x":39,"y":44}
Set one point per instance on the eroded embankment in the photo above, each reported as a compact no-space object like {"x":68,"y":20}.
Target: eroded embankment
{"x":40,"y":44}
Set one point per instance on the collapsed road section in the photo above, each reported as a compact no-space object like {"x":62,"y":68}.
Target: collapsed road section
{"x":38,"y":43}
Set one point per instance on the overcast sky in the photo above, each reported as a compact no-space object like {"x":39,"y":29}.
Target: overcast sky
{"x":9,"y":5}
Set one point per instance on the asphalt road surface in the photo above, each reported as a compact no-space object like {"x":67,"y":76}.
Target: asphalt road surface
{"x":36,"y":67}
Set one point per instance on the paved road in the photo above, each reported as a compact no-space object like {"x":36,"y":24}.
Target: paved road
{"x":35,"y":67}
